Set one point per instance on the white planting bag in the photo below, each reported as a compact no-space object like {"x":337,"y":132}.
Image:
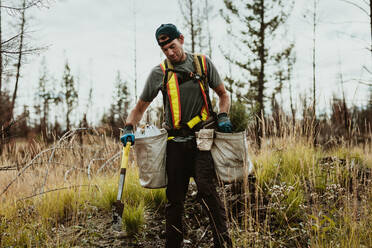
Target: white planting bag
{"x":230,"y":156}
{"x":151,"y":155}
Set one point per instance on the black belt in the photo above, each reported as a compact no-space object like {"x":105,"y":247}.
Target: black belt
{"x":182,"y":132}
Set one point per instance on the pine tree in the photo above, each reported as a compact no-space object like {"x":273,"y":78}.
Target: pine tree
{"x":118,"y":111}
{"x":70,"y":94}
{"x":259,"y":22}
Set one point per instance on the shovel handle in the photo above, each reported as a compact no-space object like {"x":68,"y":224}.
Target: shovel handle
{"x":118,"y":205}
{"x":124,"y":164}
{"x":125,"y":157}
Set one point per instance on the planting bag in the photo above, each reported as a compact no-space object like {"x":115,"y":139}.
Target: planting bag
{"x":230,"y":156}
{"x":151,"y":153}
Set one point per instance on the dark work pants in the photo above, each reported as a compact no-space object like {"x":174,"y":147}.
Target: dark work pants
{"x":183,"y":161}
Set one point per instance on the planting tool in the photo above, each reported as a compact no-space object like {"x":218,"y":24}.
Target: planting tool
{"x":118,"y":206}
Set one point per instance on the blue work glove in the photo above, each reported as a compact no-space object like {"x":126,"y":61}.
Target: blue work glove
{"x":128,"y":135}
{"x":223,"y":123}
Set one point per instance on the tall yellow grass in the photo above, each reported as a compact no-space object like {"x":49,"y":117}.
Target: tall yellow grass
{"x":62,"y":183}
{"x":304,"y":196}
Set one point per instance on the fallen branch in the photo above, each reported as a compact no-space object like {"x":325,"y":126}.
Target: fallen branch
{"x":90,"y":164}
{"x":68,"y":171}
{"x":113,"y":158}
{"x":52,"y":190}
{"x":64,"y":137}
{"x":25,"y":168}
{"x":10,"y":167}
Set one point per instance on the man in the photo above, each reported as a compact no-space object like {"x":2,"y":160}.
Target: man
{"x":187,"y":107}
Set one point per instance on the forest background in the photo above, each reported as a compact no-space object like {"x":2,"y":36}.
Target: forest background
{"x":72,"y":63}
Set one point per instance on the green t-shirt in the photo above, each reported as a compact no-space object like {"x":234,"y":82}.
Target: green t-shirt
{"x":191,"y":98}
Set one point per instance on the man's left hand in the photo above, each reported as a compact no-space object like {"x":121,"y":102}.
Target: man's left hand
{"x":224,"y":123}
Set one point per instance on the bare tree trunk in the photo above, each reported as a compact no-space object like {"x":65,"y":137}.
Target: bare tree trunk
{"x":190,"y":11}
{"x":291,"y":61}
{"x":370,"y":19}
{"x":209,"y":31}
{"x":314,"y":120}
{"x":1,"y":54}
{"x":1,"y":81}
{"x":293,"y":111}
{"x":19,"y":59}
{"x":192,"y":32}
{"x":135,"y":51}
{"x":260,"y":95}
{"x":314,"y":64}
{"x":344,"y":107}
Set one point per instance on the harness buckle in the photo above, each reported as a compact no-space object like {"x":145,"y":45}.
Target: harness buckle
{"x":195,"y":76}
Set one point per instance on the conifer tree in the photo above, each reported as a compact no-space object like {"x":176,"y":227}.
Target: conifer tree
{"x":70,"y":94}
{"x":257,"y":22}
{"x":118,"y":111}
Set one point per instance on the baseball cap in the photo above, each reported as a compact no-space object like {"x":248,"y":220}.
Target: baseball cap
{"x":169,"y":30}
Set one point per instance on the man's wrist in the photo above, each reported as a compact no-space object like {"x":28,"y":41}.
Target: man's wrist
{"x":128,"y":128}
{"x":222,"y":114}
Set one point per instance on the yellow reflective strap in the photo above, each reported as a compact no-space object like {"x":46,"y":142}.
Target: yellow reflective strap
{"x":205,"y":110}
{"x":204,"y":113}
{"x":162,"y":66}
{"x":201,"y":68}
{"x":197,"y":64}
{"x":174,"y":100}
{"x":202,"y":87}
{"x":170,"y":137}
{"x":193,"y":121}
{"x":204,"y":62}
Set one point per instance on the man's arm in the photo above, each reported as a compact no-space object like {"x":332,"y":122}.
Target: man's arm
{"x":224,"y":99}
{"x":223,"y":122}
{"x":136,"y":114}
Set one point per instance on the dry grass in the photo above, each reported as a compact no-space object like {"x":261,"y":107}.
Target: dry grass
{"x":307,"y":197}
{"x":304,"y":195}
{"x":63,"y":183}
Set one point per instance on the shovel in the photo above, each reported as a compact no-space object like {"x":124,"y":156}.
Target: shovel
{"x":118,"y":206}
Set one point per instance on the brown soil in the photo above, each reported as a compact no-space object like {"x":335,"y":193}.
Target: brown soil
{"x":97,"y":231}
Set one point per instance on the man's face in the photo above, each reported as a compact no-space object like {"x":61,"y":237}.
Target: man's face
{"x":174,"y":50}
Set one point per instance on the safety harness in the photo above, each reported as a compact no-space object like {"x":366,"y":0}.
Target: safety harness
{"x":170,"y":88}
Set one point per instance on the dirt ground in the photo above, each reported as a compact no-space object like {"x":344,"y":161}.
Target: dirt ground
{"x":97,"y":230}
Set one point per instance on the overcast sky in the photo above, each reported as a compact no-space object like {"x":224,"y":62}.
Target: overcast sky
{"x":97,"y":38}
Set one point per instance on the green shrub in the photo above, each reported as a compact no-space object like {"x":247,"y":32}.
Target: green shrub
{"x":267,"y":167}
{"x":104,"y":195}
{"x":239,"y":116}
{"x":58,"y":207}
{"x":155,"y":198}
{"x":133,"y":218}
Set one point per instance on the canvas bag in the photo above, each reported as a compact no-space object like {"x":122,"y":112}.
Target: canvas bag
{"x":151,"y":156}
{"x":230,"y":156}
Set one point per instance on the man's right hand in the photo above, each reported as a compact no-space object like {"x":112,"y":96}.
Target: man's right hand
{"x":128,"y":135}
